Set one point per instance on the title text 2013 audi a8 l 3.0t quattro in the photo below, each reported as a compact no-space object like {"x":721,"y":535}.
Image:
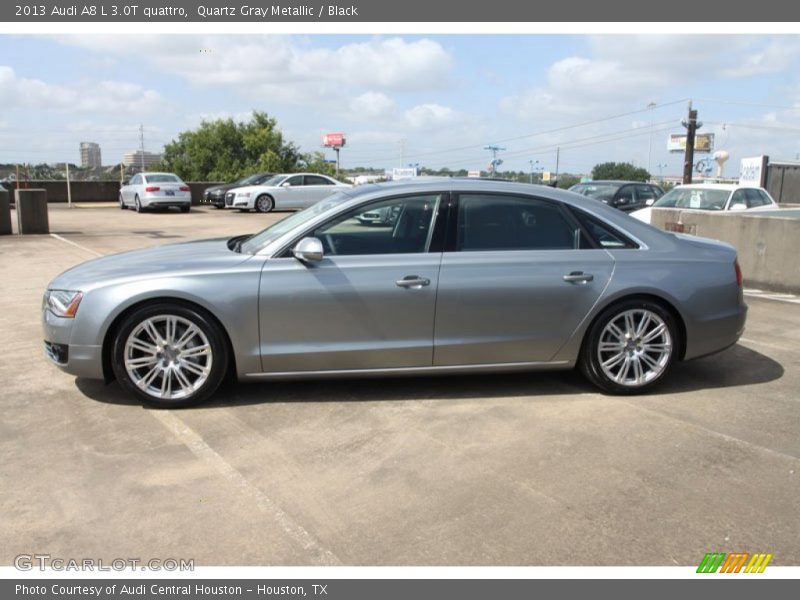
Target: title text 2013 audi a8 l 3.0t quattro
{"x":469,"y":276}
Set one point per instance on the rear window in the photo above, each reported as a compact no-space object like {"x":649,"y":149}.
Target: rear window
{"x":161,"y":178}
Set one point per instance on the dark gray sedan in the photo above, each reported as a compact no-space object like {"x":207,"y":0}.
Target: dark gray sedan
{"x":471,"y":276}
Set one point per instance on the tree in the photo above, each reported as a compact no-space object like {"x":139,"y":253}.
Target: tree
{"x":222,"y":150}
{"x":623,"y":171}
{"x":315,"y":162}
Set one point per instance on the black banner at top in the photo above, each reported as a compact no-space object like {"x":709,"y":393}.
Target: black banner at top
{"x":465,"y":11}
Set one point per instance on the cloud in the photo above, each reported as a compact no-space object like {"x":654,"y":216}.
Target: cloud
{"x":430,"y":116}
{"x":372,"y":105}
{"x":80,"y":97}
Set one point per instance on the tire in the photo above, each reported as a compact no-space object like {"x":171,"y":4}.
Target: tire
{"x":122,"y":203}
{"x":185,"y":209}
{"x":138,"y":204}
{"x":640,"y":341}
{"x":150,"y":364}
{"x":218,"y":207}
{"x":264,"y":204}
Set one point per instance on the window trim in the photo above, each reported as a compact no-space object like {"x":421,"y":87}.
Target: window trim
{"x":578,"y":213}
{"x":434,"y":236}
{"x":451,"y":238}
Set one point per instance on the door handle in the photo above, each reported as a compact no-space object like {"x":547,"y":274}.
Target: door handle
{"x":413,"y":282}
{"x":578,"y":277}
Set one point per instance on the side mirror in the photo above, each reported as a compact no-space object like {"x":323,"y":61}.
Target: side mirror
{"x":308,"y":250}
{"x":649,"y":202}
{"x":738,"y":206}
{"x":286,"y":184}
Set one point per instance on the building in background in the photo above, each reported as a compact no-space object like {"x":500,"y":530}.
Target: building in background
{"x":140,"y":159}
{"x":90,"y":155}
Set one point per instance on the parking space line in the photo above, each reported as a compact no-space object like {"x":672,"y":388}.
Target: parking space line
{"x":777,"y":297}
{"x":71,"y":243}
{"x":766,"y":345}
{"x":192,"y":440}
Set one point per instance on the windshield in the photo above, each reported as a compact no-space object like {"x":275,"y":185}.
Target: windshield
{"x":697,"y":198}
{"x":164,"y":178}
{"x":275,"y":180}
{"x":248,"y":180}
{"x":273,"y":232}
{"x":601,"y":191}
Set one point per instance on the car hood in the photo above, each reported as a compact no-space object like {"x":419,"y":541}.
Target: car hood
{"x":160,"y":261}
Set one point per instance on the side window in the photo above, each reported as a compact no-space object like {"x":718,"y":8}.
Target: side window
{"x":496,"y":222}
{"x":738,"y":197}
{"x":657,"y":191}
{"x":766,"y":198}
{"x":645,"y":192}
{"x":755,"y":198}
{"x":396,"y":226}
{"x":317,"y":180}
{"x":296,"y":180}
{"x":605,"y":235}
{"x":625,"y":194}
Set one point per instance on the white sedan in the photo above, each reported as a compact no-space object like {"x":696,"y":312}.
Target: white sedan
{"x":288,"y":191}
{"x":710,"y":196}
{"x":155,"y":190}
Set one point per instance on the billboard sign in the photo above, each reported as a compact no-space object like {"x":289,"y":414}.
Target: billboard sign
{"x":409,"y":173}
{"x":703,"y":142}
{"x":753,"y":171}
{"x":333,"y":140}
{"x":473,"y":174}
{"x":545,"y":176}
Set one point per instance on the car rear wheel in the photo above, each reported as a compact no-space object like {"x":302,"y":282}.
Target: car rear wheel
{"x":264,"y":204}
{"x":630,"y":347}
{"x":169,"y":355}
{"x":185,"y":209}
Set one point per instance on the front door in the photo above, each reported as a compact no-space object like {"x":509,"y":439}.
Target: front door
{"x":368,"y":304}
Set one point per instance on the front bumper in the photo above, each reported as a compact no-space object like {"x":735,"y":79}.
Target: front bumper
{"x":78,"y":360}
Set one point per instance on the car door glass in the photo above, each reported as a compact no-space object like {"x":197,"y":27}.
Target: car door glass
{"x":317,"y":180}
{"x":499,"y":222}
{"x":644,"y":193}
{"x":295,"y":181}
{"x":738,"y":197}
{"x":625,"y":195}
{"x":754,"y":198}
{"x":396,"y":226}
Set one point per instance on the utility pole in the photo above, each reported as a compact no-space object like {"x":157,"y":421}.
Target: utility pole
{"x":651,"y":106}
{"x":141,"y":146}
{"x":688,"y":158}
{"x":496,"y":162}
{"x":558,"y":158}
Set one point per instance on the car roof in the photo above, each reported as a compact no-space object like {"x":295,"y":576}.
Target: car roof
{"x":148,"y":173}
{"x":717,"y":186}
{"x":614,"y":181}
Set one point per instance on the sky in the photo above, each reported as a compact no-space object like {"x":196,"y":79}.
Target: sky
{"x":431,"y":100}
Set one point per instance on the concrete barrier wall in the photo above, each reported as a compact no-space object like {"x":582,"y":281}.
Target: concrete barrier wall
{"x":768,"y":244}
{"x":101,"y":191}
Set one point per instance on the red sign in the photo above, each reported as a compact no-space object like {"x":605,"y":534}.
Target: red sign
{"x":333,"y":140}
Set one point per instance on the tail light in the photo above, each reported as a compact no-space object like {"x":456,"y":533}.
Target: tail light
{"x":739,"y":277}
{"x":152,"y":188}
{"x":186,"y":188}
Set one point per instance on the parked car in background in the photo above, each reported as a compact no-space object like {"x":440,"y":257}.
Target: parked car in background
{"x":215,"y":196}
{"x":155,"y":190}
{"x":474,"y":276}
{"x":288,"y":191}
{"x":624,"y":195}
{"x":711,"y":196}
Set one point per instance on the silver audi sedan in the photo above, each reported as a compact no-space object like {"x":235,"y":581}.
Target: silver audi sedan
{"x":470,"y":276}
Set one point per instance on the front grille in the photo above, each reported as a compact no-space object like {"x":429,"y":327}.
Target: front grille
{"x":58,"y":353}
{"x":229,"y":199}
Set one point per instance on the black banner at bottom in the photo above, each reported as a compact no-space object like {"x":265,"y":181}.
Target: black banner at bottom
{"x":733,"y":587}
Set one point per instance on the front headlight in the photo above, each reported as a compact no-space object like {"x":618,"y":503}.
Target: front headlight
{"x":62,"y":303}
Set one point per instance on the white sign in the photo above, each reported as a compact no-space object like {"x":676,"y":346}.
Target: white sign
{"x":751,"y":171}
{"x":409,"y":173}
{"x":473,"y":173}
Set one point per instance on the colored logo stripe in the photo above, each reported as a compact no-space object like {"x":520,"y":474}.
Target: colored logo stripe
{"x":734,"y":562}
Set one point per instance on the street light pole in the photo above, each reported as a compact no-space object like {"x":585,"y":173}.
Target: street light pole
{"x":651,"y":106}
{"x":533,"y":167}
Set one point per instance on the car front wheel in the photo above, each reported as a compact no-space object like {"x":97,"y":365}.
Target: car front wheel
{"x":630,"y":347}
{"x":264,"y":204}
{"x":138,"y":204}
{"x":170,"y":355}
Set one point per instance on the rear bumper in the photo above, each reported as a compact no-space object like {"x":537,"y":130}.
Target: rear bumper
{"x":715,"y":334}
{"x":154,"y":201}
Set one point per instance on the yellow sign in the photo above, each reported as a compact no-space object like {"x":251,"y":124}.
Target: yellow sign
{"x":545,"y":175}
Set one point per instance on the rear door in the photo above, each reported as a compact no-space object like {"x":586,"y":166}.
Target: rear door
{"x":515,"y":282}
{"x":317,"y":188}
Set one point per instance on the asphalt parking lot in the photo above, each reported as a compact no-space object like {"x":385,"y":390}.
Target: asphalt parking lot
{"x":525,"y":469}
